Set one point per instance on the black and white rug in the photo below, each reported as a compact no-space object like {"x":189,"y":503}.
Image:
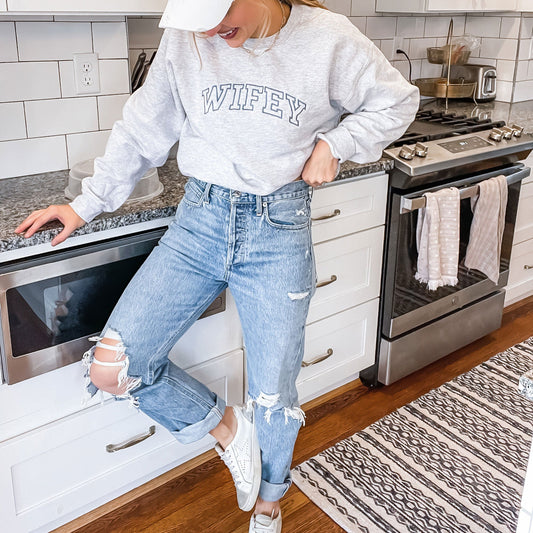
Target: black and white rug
{"x":453,"y":461}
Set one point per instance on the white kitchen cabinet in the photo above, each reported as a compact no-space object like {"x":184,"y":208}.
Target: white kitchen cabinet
{"x":53,"y":474}
{"x":525,"y":5}
{"x":348,"y":228}
{"x":3,"y":5}
{"x":127,"y":7}
{"x":439,"y":6}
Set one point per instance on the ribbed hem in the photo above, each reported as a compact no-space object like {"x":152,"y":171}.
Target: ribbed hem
{"x":341,"y":143}
{"x":84,"y":209}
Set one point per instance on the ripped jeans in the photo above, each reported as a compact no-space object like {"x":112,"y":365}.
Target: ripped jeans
{"x":259,"y":247}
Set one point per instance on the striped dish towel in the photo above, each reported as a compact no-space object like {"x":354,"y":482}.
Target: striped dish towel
{"x":437,"y":239}
{"x":486,"y":233}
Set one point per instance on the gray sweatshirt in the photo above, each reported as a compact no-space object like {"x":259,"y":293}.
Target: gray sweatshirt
{"x":249,"y":121}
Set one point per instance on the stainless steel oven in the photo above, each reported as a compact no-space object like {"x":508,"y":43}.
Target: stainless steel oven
{"x":418,"y":325}
{"x":50,"y":305}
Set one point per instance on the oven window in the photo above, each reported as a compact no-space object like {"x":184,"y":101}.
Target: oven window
{"x":410,"y":294}
{"x":57,"y":310}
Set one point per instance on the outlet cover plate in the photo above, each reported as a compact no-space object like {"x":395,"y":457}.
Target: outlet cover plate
{"x":86,"y":73}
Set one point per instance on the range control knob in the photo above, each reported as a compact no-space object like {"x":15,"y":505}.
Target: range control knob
{"x":421,"y":150}
{"x":507,"y":132}
{"x":517,"y":130}
{"x":496,"y":134}
{"x":407,"y":152}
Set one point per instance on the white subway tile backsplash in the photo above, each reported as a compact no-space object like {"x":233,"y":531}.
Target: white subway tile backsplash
{"x":66,"y":75}
{"x":94,"y":18}
{"x":510,"y":27}
{"x":365,"y":8}
{"x":530,"y":70}
{"x":410,"y":27}
{"x":360,"y":22}
{"x":110,"y":40}
{"x":64,"y":115}
{"x":32,"y":156}
{"x":82,"y":146}
{"x":418,"y":47}
{"x":380,"y":27}
{"x":429,"y":70}
{"x":53,"y":40}
{"x":504,"y":91}
{"x":28,"y":81}
{"x":114,"y":76}
{"x":339,"y":6}
{"x":144,"y":33}
{"x":522,"y":70}
{"x":526,"y":29}
{"x":437,"y":26}
{"x":8,"y":42}
{"x":505,"y":69}
{"x":499,"y":48}
{"x":483,"y":26}
{"x":110,"y":109}
{"x":27,"y":18}
{"x":386,"y":46}
{"x":12,"y":123}
{"x":523,"y":91}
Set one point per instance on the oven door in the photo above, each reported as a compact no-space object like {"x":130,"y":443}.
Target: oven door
{"x":408,"y":304}
{"x":51,"y":305}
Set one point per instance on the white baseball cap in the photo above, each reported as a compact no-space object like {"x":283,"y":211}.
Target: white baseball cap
{"x":194,"y":15}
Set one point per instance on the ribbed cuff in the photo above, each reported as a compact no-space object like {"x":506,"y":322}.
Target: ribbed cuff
{"x":341,"y":143}
{"x":83,"y":208}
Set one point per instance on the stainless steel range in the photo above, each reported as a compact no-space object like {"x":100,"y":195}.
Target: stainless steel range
{"x":418,"y":325}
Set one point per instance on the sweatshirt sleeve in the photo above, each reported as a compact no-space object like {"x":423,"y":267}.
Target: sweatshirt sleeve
{"x":152,"y":120}
{"x":381,"y":103}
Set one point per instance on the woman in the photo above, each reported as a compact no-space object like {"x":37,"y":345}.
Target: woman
{"x":254,"y":90}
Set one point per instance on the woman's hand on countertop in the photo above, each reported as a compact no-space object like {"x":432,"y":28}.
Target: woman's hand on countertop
{"x":64,"y":213}
{"x":321,"y":167}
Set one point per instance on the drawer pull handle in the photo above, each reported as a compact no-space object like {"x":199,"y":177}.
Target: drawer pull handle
{"x":132,"y":442}
{"x":335,"y":213}
{"x":333,"y":279}
{"x":319,"y":359}
{"x":528,"y":267}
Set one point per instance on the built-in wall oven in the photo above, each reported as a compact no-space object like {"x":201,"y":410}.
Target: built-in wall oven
{"x":50,"y":305}
{"x":419,"y":325}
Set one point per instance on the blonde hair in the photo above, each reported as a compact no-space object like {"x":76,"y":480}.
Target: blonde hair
{"x":266,"y":22}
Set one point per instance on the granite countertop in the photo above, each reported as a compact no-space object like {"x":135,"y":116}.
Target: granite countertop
{"x":20,"y":196}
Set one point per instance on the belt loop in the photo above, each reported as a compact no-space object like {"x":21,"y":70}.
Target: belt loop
{"x":206,"y":193}
{"x":258,"y":205}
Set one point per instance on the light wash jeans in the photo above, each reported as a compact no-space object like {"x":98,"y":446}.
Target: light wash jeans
{"x":259,"y":247}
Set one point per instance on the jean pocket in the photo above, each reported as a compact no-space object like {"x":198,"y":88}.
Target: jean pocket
{"x":194,"y":194}
{"x":289,"y":213}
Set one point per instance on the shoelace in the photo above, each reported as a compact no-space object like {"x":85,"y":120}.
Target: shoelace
{"x":230,"y":463}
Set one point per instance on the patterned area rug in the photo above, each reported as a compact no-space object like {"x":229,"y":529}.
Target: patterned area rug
{"x":454,"y":460}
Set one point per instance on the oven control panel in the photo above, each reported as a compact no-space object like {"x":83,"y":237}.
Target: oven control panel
{"x":463,"y":145}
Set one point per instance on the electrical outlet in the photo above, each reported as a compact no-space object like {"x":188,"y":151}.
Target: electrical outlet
{"x":86,"y":73}
{"x":398,"y":43}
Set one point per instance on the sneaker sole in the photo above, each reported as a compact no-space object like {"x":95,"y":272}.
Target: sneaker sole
{"x":250,"y":501}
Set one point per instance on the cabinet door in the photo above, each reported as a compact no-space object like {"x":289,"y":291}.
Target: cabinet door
{"x":525,"y":5}
{"x":86,"y":6}
{"x":405,"y":6}
{"x":3,"y":5}
{"x":471,"y":5}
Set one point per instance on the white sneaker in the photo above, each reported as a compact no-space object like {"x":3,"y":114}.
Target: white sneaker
{"x":260,"y":523}
{"x":243,"y":458}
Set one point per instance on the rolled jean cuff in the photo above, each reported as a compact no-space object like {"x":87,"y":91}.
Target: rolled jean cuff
{"x":200,"y":429}
{"x":272,"y":492}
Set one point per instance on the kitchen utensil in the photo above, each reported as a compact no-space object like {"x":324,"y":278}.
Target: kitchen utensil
{"x":145,"y":71}
{"x":483,"y":75}
{"x":436,"y":87}
{"x":137,"y":71}
{"x":440,"y":55}
{"x":148,"y":187}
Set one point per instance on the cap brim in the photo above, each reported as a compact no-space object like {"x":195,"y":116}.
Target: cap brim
{"x":198,"y":15}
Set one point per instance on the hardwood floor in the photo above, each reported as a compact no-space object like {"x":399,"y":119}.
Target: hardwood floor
{"x":199,"y":497}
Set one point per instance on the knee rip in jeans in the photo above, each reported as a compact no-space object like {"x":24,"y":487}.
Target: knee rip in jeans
{"x":298,"y":295}
{"x":271,"y":402}
{"x":125,"y":383}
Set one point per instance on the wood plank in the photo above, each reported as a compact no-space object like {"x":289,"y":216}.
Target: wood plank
{"x":199,"y":496}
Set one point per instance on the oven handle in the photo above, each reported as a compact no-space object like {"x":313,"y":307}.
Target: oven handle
{"x":412,"y":204}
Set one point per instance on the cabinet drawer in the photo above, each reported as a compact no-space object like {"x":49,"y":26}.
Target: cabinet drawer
{"x":350,"y":337}
{"x":521,"y":259}
{"x":524,"y":216}
{"x":63,"y":470}
{"x":349,"y":269}
{"x":348,"y":207}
